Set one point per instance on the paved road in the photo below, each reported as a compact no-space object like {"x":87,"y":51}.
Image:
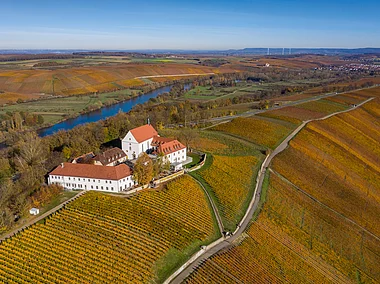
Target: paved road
{"x":51,"y":211}
{"x":180,"y":275}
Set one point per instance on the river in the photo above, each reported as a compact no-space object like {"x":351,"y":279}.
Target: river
{"x":104,"y":112}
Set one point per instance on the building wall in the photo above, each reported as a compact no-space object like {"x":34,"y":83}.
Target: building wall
{"x":178,"y":156}
{"x":92,"y":184}
{"x":130,"y":146}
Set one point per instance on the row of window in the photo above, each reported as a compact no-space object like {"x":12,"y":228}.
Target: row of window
{"x":89,"y":180}
{"x":73,"y":185}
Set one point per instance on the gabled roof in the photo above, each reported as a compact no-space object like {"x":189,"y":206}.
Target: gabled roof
{"x":110,"y":156}
{"x":143,"y":133}
{"x":92,"y":171}
{"x":170,"y":147}
{"x":158,"y":140}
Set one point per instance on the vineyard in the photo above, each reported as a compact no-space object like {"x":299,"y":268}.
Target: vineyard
{"x":231,"y":182}
{"x":100,"y":238}
{"x":310,"y":110}
{"x":84,"y":80}
{"x":284,"y":245}
{"x":319,"y":223}
{"x":259,"y":130}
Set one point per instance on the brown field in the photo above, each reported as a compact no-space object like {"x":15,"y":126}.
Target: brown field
{"x":292,"y":98}
{"x":319,"y":223}
{"x":28,"y":84}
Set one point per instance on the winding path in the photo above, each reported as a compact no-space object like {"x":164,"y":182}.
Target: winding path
{"x":214,"y":208}
{"x":185,"y":270}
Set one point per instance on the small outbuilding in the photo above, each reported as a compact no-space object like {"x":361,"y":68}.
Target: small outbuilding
{"x":34,"y":211}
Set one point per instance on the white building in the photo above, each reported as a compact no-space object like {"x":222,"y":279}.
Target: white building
{"x":34,"y":211}
{"x":92,"y":177}
{"x":173,"y":150}
{"x":138,"y":140}
{"x":145,"y":138}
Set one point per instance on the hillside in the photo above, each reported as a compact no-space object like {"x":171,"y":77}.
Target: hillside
{"x":34,"y":83}
{"x":319,"y":222}
{"x":100,"y":237}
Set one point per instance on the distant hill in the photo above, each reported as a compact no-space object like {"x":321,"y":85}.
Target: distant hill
{"x":245,"y":51}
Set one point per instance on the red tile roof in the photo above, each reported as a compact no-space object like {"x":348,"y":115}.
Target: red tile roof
{"x":144,"y":132}
{"x":170,"y":147}
{"x":92,"y":171}
{"x":157,"y":140}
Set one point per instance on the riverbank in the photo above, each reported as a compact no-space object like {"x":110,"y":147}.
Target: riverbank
{"x":65,"y":113}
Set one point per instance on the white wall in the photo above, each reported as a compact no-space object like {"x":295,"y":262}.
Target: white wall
{"x":130,"y":146}
{"x":92,"y":184}
{"x":178,"y":156}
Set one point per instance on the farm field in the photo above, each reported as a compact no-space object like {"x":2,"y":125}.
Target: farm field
{"x":137,"y":239}
{"x":54,"y":110}
{"x":310,"y":110}
{"x":207,"y":93}
{"x":264,"y":131}
{"x":84,"y":80}
{"x":319,"y":222}
{"x":231,"y":181}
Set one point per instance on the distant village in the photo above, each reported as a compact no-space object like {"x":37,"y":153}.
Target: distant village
{"x":112,"y":170}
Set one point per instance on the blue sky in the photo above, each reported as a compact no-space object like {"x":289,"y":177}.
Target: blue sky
{"x":67,"y":24}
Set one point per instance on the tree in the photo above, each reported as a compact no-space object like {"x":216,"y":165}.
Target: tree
{"x":143,"y":169}
{"x":188,"y":136}
{"x":160,"y":164}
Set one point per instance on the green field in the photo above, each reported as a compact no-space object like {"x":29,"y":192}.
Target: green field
{"x":54,"y":110}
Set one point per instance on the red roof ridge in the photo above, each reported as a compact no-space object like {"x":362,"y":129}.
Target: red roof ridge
{"x":143,"y":133}
{"x":92,"y":171}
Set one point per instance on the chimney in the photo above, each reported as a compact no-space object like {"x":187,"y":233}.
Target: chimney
{"x":62,"y":165}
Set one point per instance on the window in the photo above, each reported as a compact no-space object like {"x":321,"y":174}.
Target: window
{"x":130,"y":148}
{"x":107,"y":188}
{"x":96,"y":187}
{"x":92,"y":187}
{"x":101,"y":187}
{"x":88,"y":180}
{"x":69,"y":178}
{"x":78,"y":179}
{"x":93,"y":180}
{"x":111,"y":188}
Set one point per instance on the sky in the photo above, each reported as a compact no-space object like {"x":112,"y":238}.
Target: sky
{"x":189,"y":25}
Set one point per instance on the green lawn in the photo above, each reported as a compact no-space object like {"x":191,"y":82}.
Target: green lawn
{"x":196,"y":159}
